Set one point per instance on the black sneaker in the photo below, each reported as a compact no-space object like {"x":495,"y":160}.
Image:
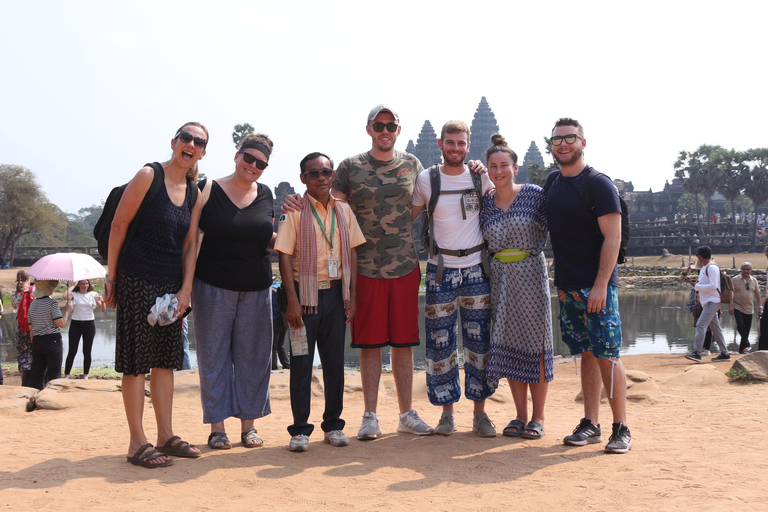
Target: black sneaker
{"x":620,"y":441}
{"x":585,"y":433}
{"x":693,"y":356}
{"x":721,"y":358}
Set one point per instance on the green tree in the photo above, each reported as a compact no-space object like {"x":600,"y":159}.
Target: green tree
{"x":688,"y":169}
{"x":757,"y":187}
{"x":24,"y":208}
{"x":688,"y":203}
{"x":241,"y":130}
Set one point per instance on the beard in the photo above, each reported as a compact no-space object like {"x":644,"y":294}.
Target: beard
{"x":570,"y":158}
{"x":454,"y":160}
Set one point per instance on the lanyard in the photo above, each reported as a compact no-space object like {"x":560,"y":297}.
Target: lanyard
{"x":333,"y":224}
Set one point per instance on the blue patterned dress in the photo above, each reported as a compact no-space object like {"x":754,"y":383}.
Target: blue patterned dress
{"x":520,"y":298}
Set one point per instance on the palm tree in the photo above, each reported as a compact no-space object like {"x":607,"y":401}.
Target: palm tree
{"x":688,"y":171}
{"x":757,"y":187}
{"x":733,"y":175}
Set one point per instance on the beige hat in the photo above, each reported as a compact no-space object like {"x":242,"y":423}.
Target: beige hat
{"x":44,"y":288}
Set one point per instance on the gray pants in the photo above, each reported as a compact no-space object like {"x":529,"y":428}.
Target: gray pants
{"x":709,"y":319}
{"x":233,"y":331}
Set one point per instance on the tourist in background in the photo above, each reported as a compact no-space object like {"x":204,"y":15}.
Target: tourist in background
{"x":231,"y":293}
{"x":158,"y":260}
{"x":45,"y":322}
{"x":23,"y":341}
{"x":746,"y":295}
{"x":708,"y":285}
{"x":762,"y":343}
{"x":515,"y":226}
{"x":83,"y":323}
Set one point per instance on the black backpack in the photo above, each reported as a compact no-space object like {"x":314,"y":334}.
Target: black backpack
{"x":427,"y":222}
{"x":589,"y":198}
{"x":103,"y":226}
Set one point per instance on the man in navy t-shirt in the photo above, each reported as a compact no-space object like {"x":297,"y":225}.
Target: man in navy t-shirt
{"x":585,"y":243}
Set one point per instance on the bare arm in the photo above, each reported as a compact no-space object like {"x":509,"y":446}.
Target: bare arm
{"x":67,"y":295}
{"x":416,"y":211}
{"x":126,"y":211}
{"x":610,"y":227}
{"x":188,"y":259}
{"x":352,"y":307}
{"x":271,"y":244}
{"x":61,"y":322}
{"x":100,"y":303}
{"x":293,"y":311}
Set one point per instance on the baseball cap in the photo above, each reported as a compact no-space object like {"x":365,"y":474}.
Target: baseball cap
{"x":379,"y":108}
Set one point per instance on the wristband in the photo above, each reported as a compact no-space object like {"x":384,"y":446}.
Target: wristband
{"x":110,"y":281}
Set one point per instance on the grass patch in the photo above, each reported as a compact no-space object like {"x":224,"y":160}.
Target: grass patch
{"x":740,"y":375}
{"x":97,"y":372}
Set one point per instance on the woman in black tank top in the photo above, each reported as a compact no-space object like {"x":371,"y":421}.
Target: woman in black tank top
{"x":168,"y":243}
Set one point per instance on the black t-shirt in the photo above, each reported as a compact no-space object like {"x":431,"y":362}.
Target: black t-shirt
{"x":234,"y":254}
{"x":574,"y":230}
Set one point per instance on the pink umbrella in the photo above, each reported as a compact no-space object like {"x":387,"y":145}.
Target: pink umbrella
{"x":67,"y":266}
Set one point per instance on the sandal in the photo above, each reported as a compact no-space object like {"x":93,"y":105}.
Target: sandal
{"x":219,"y":441}
{"x":251,"y":439}
{"x":536,"y":430}
{"x":514,"y":428}
{"x":148,"y":454}
{"x":180,"y":449}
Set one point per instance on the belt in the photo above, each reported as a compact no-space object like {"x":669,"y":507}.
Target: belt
{"x":324,"y":285}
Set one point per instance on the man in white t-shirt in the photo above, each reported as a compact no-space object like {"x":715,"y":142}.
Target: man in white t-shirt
{"x":457,"y":279}
{"x":709,"y":296}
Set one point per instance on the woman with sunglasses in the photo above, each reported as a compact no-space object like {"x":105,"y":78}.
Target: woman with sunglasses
{"x":158,"y":260}
{"x":83,"y":323}
{"x":231,"y":293}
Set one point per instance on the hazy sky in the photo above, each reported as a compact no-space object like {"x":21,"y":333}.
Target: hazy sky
{"x":92,"y":90}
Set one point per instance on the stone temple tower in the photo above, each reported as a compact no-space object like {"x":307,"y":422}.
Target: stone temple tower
{"x":426,"y":149}
{"x":483,"y":126}
{"x":532,"y":156}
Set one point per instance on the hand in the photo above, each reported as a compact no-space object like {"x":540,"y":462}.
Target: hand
{"x":350,"y":310}
{"x":597,"y":298}
{"x":68,"y":308}
{"x":730,"y":309}
{"x":293,"y":313}
{"x":110,"y":295}
{"x":477,"y":166}
{"x":292,"y":203}
{"x":184,"y":300}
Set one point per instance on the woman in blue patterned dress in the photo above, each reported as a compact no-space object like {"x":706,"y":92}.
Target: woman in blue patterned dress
{"x":515,"y":227}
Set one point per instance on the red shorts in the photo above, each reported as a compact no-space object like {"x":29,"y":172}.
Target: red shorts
{"x":387,"y":312}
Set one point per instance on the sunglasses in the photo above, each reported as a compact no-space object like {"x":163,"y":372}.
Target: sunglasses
{"x":249,"y":159}
{"x":379,"y":127}
{"x":186,"y":138}
{"x":314,"y":174}
{"x":570,"y":139}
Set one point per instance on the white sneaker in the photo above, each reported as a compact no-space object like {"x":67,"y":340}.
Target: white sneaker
{"x":483,"y":426}
{"x":705,"y":353}
{"x":299,"y":443}
{"x":412,"y":424}
{"x":336,"y":438}
{"x":447,"y":425}
{"x":369,"y":429}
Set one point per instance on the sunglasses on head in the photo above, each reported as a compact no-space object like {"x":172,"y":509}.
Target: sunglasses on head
{"x":186,"y":138}
{"x":379,"y":127}
{"x":249,"y":159}
{"x":314,"y":174}
{"x":570,"y":139}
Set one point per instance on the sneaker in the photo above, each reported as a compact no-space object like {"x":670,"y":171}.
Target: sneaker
{"x":299,"y":443}
{"x":336,"y":438}
{"x":447,"y":425}
{"x":412,"y":424}
{"x":721,"y":358}
{"x":483,"y":426}
{"x":369,"y":429}
{"x":693,"y":356}
{"x":706,"y":353}
{"x":620,"y":441}
{"x":585,"y":433}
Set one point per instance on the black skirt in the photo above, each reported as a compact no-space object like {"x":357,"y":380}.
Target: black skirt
{"x":139,"y":347}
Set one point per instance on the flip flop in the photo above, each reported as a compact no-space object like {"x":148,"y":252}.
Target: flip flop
{"x":514,"y":428}
{"x":180,"y":449}
{"x":251,"y":435}
{"x":219,"y":437}
{"x":148,"y":454}
{"x":536,"y":427}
